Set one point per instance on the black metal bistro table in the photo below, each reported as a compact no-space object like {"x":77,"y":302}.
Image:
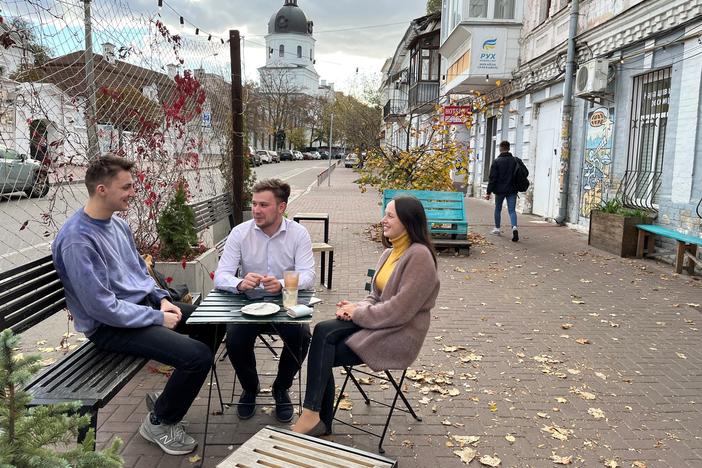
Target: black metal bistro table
{"x":223,"y":308}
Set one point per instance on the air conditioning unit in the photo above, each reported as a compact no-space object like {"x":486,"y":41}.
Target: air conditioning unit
{"x":591,"y":78}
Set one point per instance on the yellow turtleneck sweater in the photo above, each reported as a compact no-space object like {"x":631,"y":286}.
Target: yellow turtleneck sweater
{"x":399,"y":246}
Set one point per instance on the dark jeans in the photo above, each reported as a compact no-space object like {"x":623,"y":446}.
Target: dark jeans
{"x":328,"y":350}
{"x":240,"y":347}
{"x":511,"y":208}
{"x":188,"y":348}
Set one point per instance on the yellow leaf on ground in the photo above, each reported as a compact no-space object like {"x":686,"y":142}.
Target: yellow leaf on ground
{"x":562,"y":460}
{"x":601,"y":375}
{"x":466,"y":440}
{"x":488,"y":460}
{"x":561,"y":400}
{"x":611,"y":464}
{"x":639,"y":464}
{"x":510,"y":438}
{"x":446,"y":422}
{"x":582,"y":341}
{"x":454,"y":392}
{"x":346,"y":405}
{"x":566,"y":326}
{"x":194,"y":459}
{"x":596,"y":413}
{"x":493,"y":406}
{"x":557,"y":432}
{"x":681,"y":355}
{"x":467,"y":454}
{"x":543,"y":415}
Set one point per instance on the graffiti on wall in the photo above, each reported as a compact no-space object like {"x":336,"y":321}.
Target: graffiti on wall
{"x":598,"y":159}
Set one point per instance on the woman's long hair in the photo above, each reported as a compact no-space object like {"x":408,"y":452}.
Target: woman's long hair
{"x":412,"y":216}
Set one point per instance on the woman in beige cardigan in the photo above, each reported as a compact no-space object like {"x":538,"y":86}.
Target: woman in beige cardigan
{"x":386,"y":329}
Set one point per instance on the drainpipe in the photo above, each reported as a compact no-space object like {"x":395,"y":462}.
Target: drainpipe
{"x":566,"y":122}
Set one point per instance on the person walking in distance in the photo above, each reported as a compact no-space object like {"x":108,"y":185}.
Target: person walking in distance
{"x":502,"y":184}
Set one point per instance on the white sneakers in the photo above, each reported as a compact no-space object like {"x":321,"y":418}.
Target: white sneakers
{"x":495,"y":231}
{"x":172,"y":438}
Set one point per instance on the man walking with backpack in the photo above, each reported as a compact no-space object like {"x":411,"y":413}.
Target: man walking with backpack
{"x":508,"y":175}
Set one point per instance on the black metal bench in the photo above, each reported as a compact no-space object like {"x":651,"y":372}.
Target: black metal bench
{"x":212,"y":210}
{"x":33,"y":292}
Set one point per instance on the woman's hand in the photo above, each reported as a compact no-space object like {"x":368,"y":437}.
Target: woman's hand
{"x":345,"y":311}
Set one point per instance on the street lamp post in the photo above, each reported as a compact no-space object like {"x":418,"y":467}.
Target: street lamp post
{"x":331,"y":132}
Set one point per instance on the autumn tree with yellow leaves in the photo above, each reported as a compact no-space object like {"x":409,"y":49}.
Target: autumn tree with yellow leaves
{"x":426,"y":166}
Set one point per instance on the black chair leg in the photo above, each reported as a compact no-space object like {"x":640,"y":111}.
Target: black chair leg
{"x":357,"y":384}
{"x":398,"y":389}
{"x":341,"y":391}
{"x":322,"y":263}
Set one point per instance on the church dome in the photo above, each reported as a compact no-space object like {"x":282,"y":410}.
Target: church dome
{"x":290,"y":19}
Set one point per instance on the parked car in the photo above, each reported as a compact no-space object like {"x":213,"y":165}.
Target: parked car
{"x":265,"y":157}
{"x":298,"y":155}
{"x":275,"y":157}
{"x":351,"y":160}
{"x":324,"y":155}
{"x":286,"y":155}
{"x":19,"y":173}
{"x":254,"y":158}
{"x":316,"y":155}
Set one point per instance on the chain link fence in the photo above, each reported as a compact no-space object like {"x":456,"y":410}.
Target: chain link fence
{"x":79,"y":79}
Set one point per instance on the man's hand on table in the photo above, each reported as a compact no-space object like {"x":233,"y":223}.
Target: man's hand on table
{"x":271,"y":284}
{"x":250,"y":281}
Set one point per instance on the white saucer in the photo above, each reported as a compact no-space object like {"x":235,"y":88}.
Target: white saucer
{"x":260,"y":309}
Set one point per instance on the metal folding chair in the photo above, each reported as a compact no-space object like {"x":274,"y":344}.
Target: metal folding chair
{"x":393,"y":406}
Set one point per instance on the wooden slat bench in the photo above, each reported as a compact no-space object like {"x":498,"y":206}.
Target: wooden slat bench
{"x":686,"y":245}
{"x":273,"y":446}
{"x":33,"y":292}
{"x":446,"y":215}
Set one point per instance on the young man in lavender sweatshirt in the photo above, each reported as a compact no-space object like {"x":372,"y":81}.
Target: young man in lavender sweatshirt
{"x":120,"y":308}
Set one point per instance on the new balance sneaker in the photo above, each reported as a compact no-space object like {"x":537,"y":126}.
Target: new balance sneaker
{"x":172,"y":438}
{"x":283,"y":405}
{"x":495,"y":232}
{"x":515,"y":234}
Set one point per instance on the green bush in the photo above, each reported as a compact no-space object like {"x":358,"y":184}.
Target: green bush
{"x":176,"y":227}
{"x":615,"y":206}
{"x":39,"y":437}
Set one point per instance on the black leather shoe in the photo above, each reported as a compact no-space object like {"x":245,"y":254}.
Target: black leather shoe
{"x":515,"y":235}
{"x":283,"y":406}
{"x":247,"y":404}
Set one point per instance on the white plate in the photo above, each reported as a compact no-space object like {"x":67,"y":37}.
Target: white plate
{"x":260,"y":309}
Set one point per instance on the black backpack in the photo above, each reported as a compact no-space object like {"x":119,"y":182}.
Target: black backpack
{"x":521,"y":176}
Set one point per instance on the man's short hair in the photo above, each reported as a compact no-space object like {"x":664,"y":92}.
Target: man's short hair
{"x":504,"y":145}
{"x":280,"y":189}
{"x":103,"y":169}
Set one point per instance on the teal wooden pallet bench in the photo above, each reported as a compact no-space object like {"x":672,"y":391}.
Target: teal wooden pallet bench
{"x":686,"y":245}
{"x":446,"y":215}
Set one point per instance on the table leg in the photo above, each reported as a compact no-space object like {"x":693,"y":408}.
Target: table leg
{"x":326,"y":231}
{"x":209,"y":394}
{"x":321,"y":270}
{"x":331,"y":268}
{"x":679,"y":257}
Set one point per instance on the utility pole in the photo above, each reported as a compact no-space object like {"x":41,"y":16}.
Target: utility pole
{"x":566,"y":118}
{"x":91,"y":108}
{"x":237,"y":128}
{"x":331,"y":133}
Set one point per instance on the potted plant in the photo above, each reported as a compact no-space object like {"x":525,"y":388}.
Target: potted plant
{"x":181,"y":258}
{"x":613,"y":227}
{"x":42,"y":435}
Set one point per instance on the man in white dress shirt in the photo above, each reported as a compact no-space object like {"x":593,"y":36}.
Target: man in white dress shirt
{"x":255,"y":256}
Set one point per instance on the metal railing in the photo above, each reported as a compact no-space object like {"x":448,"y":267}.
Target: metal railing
{"x":639,"y":189}
{"x":423,"y":93}
{"x":395,"y":107}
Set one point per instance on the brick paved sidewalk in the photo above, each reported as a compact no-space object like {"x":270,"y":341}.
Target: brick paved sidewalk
{"x":506,"y":333}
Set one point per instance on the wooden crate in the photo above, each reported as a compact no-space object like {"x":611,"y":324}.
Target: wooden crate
{"x":277,"y":447}
{"x":614,"y":233}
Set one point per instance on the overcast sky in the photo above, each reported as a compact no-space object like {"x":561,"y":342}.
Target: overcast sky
{"x":338,"y":53}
